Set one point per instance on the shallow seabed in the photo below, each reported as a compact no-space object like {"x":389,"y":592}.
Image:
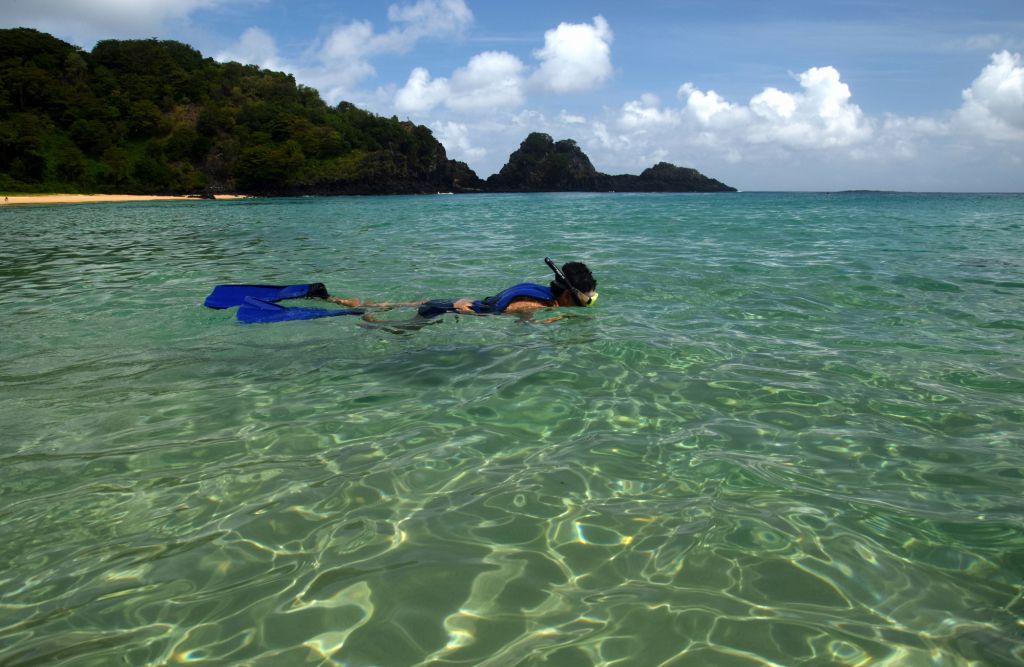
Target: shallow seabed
{"x":791,"y":432}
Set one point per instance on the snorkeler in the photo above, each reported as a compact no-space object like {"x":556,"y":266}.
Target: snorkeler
{"x":573,"y":285}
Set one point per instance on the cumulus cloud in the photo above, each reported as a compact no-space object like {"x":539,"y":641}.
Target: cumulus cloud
{"x":102,"y":18}
{"x":994,"y":104}
{"x":774,"y":104}
{"x":708,"y":108}
{"x":820,"y":116}
{"x":421,"y":93}
{"x":575,"y":56}
{"x":490,"y":80}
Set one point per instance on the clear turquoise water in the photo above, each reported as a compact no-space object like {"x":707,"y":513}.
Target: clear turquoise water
{"x":790,"y":433}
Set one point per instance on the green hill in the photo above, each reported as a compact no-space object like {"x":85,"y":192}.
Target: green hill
{"x":148,"y":116}
{"x":156,"y":117}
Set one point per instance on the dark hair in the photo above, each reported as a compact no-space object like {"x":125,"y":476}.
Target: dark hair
{"x":579,"y":275}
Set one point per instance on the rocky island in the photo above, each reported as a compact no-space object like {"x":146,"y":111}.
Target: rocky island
{"x":544,"y":165}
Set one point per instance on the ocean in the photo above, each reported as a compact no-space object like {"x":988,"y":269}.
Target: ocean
{"x":790,"y":432}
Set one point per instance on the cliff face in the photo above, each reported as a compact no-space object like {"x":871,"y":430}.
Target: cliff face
{"x":542,"y":164}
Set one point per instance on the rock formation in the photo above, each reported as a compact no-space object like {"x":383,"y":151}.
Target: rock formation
{"x":542,"y":164}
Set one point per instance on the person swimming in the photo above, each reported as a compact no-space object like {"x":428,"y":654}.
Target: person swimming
{"x":573,"y":286}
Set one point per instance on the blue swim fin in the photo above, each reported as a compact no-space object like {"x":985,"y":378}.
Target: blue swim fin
{"x":256,"y":311}
{"x":229,"y":296}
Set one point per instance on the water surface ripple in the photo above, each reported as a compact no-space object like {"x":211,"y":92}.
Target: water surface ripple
{"x":790,"y":433}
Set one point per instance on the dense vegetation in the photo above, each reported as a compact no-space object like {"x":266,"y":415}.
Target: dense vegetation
{"x":148,"y":116}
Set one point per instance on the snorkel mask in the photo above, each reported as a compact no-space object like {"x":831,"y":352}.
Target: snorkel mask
{"x":578,"y":296}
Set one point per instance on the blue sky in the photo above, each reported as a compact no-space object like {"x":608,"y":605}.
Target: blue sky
{"x":787,"y":95}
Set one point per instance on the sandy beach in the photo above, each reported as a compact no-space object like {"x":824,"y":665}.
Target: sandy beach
{"x":92,"y":199}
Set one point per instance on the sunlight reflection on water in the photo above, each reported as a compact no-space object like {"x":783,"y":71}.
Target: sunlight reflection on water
{"x":790,"y":433}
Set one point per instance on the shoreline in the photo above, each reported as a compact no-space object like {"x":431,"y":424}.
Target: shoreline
{"x":18,"y":200}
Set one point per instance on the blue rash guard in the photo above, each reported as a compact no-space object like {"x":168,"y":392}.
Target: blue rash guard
{"x":492,"y":304}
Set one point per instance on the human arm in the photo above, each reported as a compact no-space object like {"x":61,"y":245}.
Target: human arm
{"x":526,"y":307}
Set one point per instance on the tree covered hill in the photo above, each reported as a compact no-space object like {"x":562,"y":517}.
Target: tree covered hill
{"x":148,"y":116}
{"x":156,"y":117}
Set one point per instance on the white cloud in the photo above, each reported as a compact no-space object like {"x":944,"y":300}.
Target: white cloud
{"x":575,"y":57}
{"x":705,"y":107}
{"x":352,"y":41}
{"x":571,"y":119}
{"x":491,"y":80}
{"x":102,"y":18}
{"x":825,"y":107}
{"x":646,"y":112}
{"x":529,"y":119}
{"x":816,"y":123}
{"x":256,"y":47}
{"x":774,"y":104}
{"x":432,"y":18}
{"x":421,"y":93}
{"x":821,"y":116}
{"x":343,"y":58}
{"x":457,"y":143}
{"x":900,"y":137}
{"x":994,"y":104}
